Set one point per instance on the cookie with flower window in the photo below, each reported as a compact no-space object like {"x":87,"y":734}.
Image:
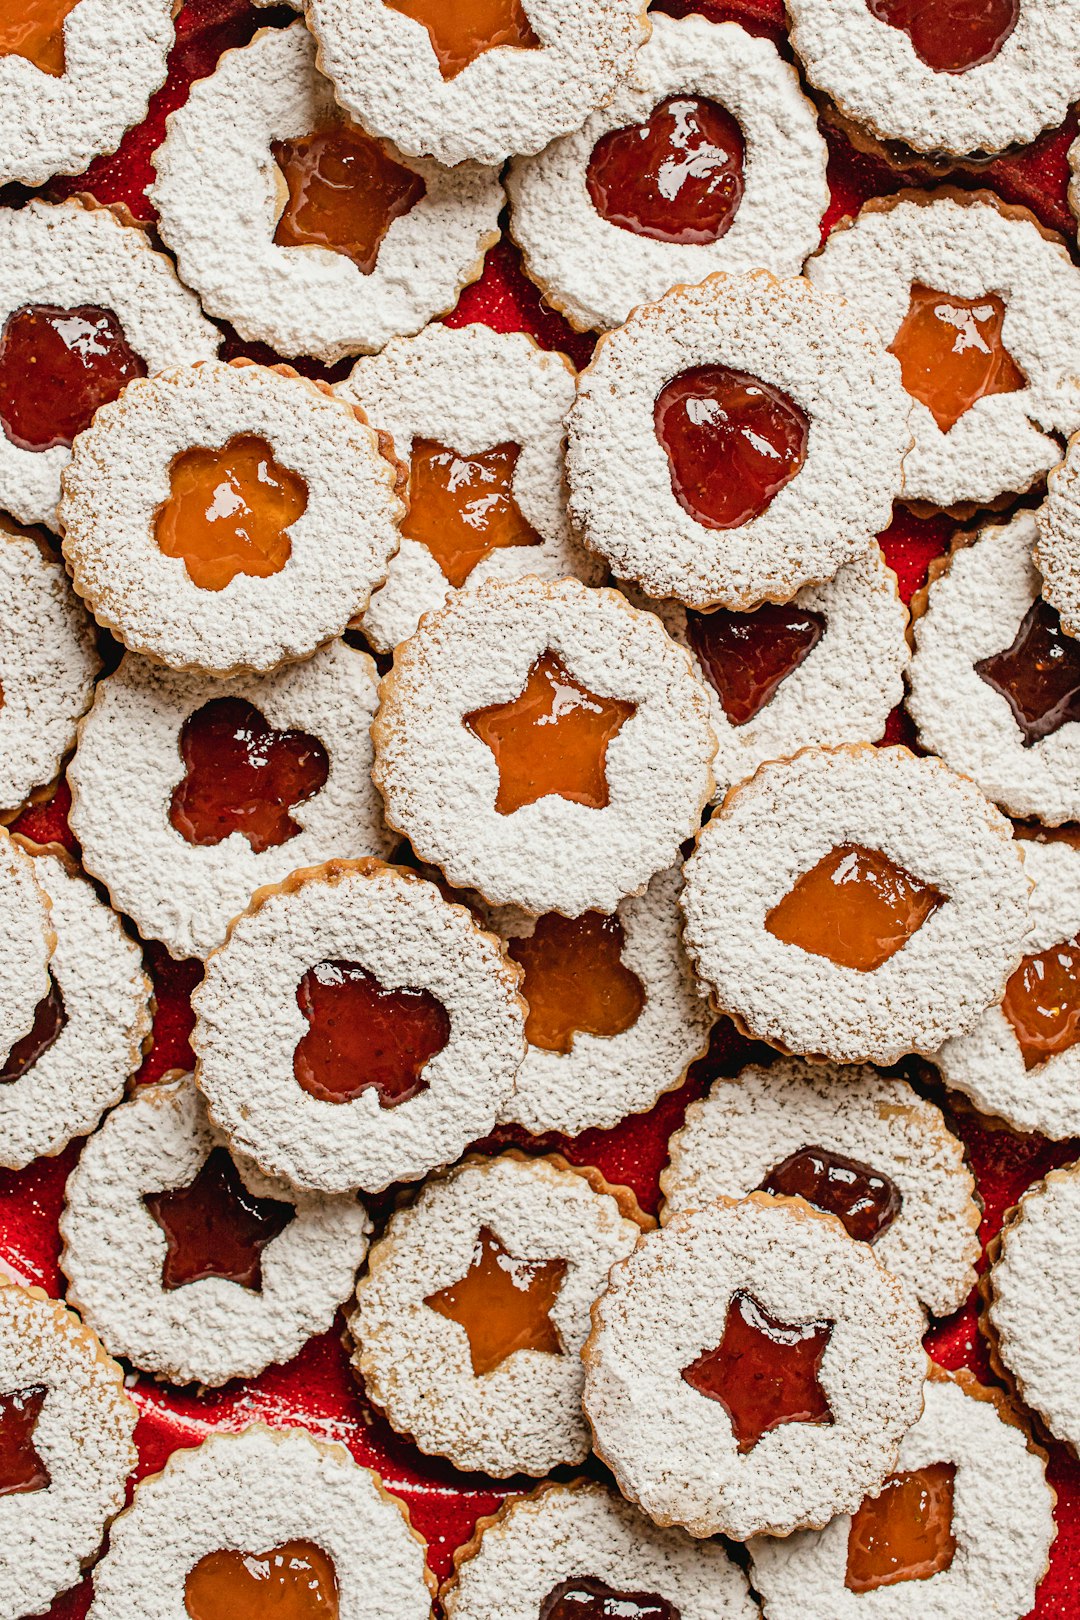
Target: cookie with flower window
{"x":478,"y":417}
{"x":1057,"y":549}
{"x":736,"y":440}
{"x":229,"y":518}
{"x":475,"y":1304}
{"x":189,"y":793}
{"x":709,"y":158}
{"x":981,"y":306}
{"x":298,"y":227}
{"x":888,"y":918}
{"x":86,"y":305}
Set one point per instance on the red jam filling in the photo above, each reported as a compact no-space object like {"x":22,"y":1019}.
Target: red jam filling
{"x":295,"y":1581}
{"x":678,"y":177}
{"x":49,"y":1019}
{"x":905,"y":1532}
{"x":57,"y":367}
{"x":1042,"y":1002}
{"x":462,"y":508}
{"x":345,"y":192}
{"x":586,"y":1598}
{"x":503,"y":1303}
{"x":746,"y":656}
{"x":462,"y":30}
{"x":763,"y":1372}
{"x":363,"y":1036}
{"x":855,"y":907}
{"x":951,"y":353}
{"x":21,"y":1469}
{"x":865,"y":1200}
{"x":1039,"y":675}
{"x":34,"y":29}
{"x":951,"y":36}
{"x":575,"y":980}
{"x":214,"y":1227}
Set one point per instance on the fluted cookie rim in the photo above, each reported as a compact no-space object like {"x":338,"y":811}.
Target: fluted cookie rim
{"x":1057,"y":547}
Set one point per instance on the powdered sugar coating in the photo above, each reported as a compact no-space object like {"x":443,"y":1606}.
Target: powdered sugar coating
{"x":211,"y":1330}
{"x":932,"y":823}
{"x":83,"y":1436}
{"x":672,"y":1449}
{"x":469,"y":389}
{"x":871,"y":71}
{"x":27,"y":942}
{"x":745,"y":1127}
{"x":114,"y":58}
{"x":439,"y":781}
{"x":968,"y":248}
{"x":251,"y":1492}
{"x":128,"y":765}
{"x":220,"y":194}
{"x":119,"y":476}
{"x":789,"y":334}
{"x":603,"y":1078}
{"x":1057,"y":549}
{"x":843,"y":691}
{"x":987,"y":1063}
{"x":508,"y":100}
{"x":399,"y":929}
{"x":596,"y":272}
{"x":106,"y":997}
{"x":1002,"y":1519}
{"x":562,"y":1532}
{"x":48,"y":662}
{"x":974,"y":610}
{"x":69,"y":254}
{"x":525,"y":1415}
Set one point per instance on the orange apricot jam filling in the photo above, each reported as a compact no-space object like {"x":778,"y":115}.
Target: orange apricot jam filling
{"x":50,"y":1017}
{"x":362,"y":1036}
{"x":344,"y":193}
{"x":21,"y":1469}
{"x":552,"y":738}
{"x":1038,"y":676}
{"x":575,"y":980}
{"x":905,"y":1532}
{"x":746,"y":657}
{"x":865,"y":1200}
{"x":586,"y":1598}
{"x":295,"y":1581}
{"x":503,"y":1303}
{"x":1042,"y":1002}
{"x":677,"y":177}
{"x":462,"y":30}
{"x":951,"y":36}
{"x":214,"y":1227}
{"x":34,"y":29}
{"x":462,"y":508}
{"x":855,"y":907}
{"x":951,"y":352}
{"x":57,"y":367}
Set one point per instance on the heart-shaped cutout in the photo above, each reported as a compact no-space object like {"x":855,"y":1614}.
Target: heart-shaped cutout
{"x":951,"y":36}
{"x":677,"y":177}
{"x":295,"y":1581}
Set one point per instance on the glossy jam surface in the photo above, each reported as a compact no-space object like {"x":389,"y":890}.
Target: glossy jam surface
{"x":904,"y":1533}
{"x":1039,"y":675}
{"x":747,"y":656}
{"x":763,"y":1372}
{"x":215,"y":1228}
{"x":575,"y":980}
{"x":855,"y":907}
{"x":951,"y":36}
{"x":362,"y":1036}
{"x":503,"y":1303}
{"x":228,"y":512}
{"x":345,"y":192}
{"x":462,"y":30}
{"x":951,"y":353}
{"x":865,"y":1200}
{"x":240,"y":775}
{"x":552,"y":738}
{"x":586,"y":1598}
{"x":21,"y":1469}
{"x":295,"y":1581}
{"x":1042,"y":1002}
{"x":57,"y":367}
{"x":462,"y":507}
{"x":678,"y":177}
{"x":732,"y":443}
{"x":34,"y":29}
{"x":50,"y":1017}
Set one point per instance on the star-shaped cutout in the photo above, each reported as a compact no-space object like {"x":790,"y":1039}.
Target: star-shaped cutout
{"x":952,"y":353}
{"x":462,"y":30}
{"x":216,"y":1228}
{"x":552,"y":738}
{"x":36,"y":32}
{"x":462,"y":508}
{"x":21,"y":1469}
{"x":504,"y":1304}
{"x":1038,"y":676}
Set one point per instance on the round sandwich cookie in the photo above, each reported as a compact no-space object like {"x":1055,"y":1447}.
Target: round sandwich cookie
{"x":472,"y":1312}
{"x":1057,"y":549}
{"x":887,"y":919}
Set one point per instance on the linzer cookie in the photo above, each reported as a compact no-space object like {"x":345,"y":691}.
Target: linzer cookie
{"x":89,"y":1029}
{"x":708,"y":159}
{"x":475,"y":1305}
{"x":228,"y":518}
{"x":267,"y":1521}
{"x":982,"y":309}
{"x":1057,"y":550}
{"x":615,"y":1014}
{"x":74,"y":75}
{"x":66,"y":1426}
{"x":545,"y":744}
{"x":482,"y":80}
{"x":736,"y":441}
{"x":27,"y":943}
{"x":190,"y":1264}
{"x":388,"y":1033}
{"x":964,"y":1526}
{"x":86,"y":305}
{"x":888,"y":918}
{"x":190,"y":793}
{"x":752,"y":1368}
{"x":48,"y":663}
{"x":941,"y":79}
{"x":479,"y":419}
{"x":579,"y":1552}
{"x":852,"y":1142}
{"x":297,"y":226}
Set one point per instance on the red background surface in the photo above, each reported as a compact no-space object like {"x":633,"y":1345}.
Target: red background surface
{"x":316,"y":1389}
